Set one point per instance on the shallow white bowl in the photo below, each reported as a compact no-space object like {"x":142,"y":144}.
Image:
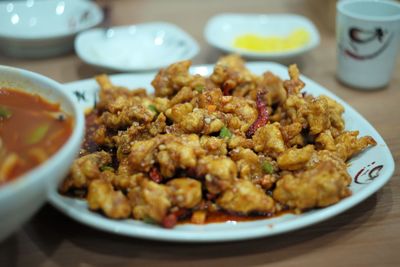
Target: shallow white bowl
{"x":140,"y":47}
{"x":44,"y":28}
{"x":221,"y":31}
{"x":20,"y":198}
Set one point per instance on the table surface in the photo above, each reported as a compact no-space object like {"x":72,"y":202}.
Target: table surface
{"x":366,"y":235}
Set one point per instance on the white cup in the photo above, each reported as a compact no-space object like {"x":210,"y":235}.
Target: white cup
{"x":368,"y":38}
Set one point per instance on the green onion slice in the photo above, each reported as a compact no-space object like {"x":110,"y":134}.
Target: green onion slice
{"x":106,"y":168}
{"x":199,"y":88}
{"x":153,"y":108}
{"x":267,"y":167}
{"x":225,"y":133}
{"x":38,"y":134}
{"x":149,"y":220}
{"x":5,"y":112}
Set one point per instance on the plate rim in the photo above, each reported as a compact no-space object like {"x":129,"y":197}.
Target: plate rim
{"x":99,"y":222}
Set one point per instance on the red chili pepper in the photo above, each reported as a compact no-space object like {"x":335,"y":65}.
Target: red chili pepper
{"x":262,"y":118}
{"x":210,"y":196}
{"x":226,"y":90}
{"x":170,"y":221}
{"x":228,"y":86}
{"x":155,"y":175}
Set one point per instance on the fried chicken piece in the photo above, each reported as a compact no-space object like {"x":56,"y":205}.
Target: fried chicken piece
{"x":124,"y":139}
{"x":178,"y":112}
{"x":122,"y":181}
{"x":169,"y":151}
{"x":161,"y":103}
{"x":102,"y":196}
{"x":171,"y":79}
{"x":325,"y":141}
{"x":247,"y":162}
{"x":320,"y":186}
{"x":295,"y":158}
{"x":212,"y":124}
{"x":236,"y":124}
{"x":268,"y":139}
{"x":291,"y":134}
{"x":200,"y":121}
{"x":328,"y":156}
{"x":184,"y":95}
{"x":104,"y":81}
{"x":296,"y":109}
{"x":115,"y":98}
{"x":100,"y":137}
{"x":109,"y":95}
{"x":142,"y":155}
{"x":178,"y":152}
{"x":267,"y":181}
{"x":243,"y":109}
{"x":159,"y":125}
{"x":193,"y":122}
{"x":318,"y":115}
{"x":347,"y":144}
{"x":85,"y":169}
{"x":250,"y":167}
{"x":127,"y":116}
{"x":335,"y":114}
{"x":244,"y":197}
{"x":150,"y":201}
{"x":219,"y":172}
{"x":211,"y":97}
{"x":237,"y":141}
{"x":214,"y":145}
{"x":185,"y":192}
{"x":294,"y":85}
{"x":231,"y":75}
{"x":272,"y":85}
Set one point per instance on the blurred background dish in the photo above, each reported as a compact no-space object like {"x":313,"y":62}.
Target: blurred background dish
{"x":44,"y":28}
{"x":23,"y":194}
{"x":140,"y":47}
{"x":262,"y":36}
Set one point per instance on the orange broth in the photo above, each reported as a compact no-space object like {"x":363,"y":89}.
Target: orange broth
{"x":31,"y":130}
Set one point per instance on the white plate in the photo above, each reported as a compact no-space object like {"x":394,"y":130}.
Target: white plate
{"x":138,"y":47}
{"x":371,"y":170}
{"x":44,"y":28}
{"x":222,"y":30}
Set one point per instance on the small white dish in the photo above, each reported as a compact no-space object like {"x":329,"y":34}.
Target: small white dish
{"x":370,"y":170}
{"x":44,"y":28}
{"x":223,"y":29}
{"x":138,"y":47}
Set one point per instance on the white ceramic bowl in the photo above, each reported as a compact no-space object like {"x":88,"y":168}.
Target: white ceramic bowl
{"x":221,"y":31}
{"x":140,"y":47}
{"x":44,"y":28}
{"x":20,"y":198}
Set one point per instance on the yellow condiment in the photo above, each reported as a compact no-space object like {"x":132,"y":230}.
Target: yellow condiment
{"x":274,"y":43}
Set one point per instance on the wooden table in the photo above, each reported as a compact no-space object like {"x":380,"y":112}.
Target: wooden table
{"x":366,"y":235}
